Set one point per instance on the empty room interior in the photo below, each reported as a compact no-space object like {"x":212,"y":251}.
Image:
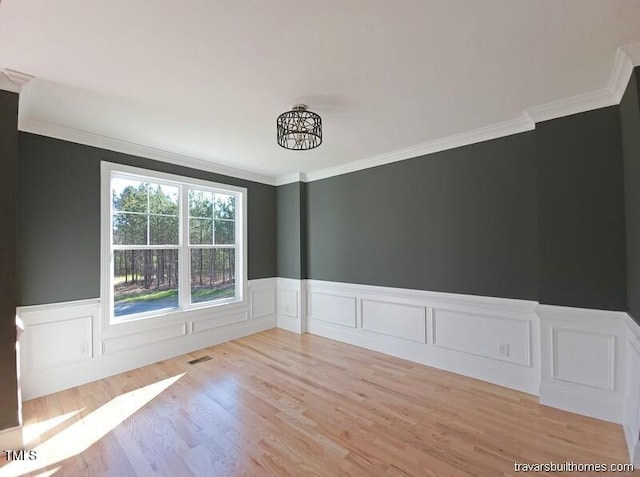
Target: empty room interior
{"x":342,"y":238}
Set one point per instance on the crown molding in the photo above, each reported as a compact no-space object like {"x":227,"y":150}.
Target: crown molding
{"x":125,"y":147}
{"x":573,"y":105}
{"x":291,"y":178}
{"x":633,"y":52}
{"x":620,"y":74}
{"x":626,"y":59}
{"x":13,"y":81}
{"x":486,"y":133}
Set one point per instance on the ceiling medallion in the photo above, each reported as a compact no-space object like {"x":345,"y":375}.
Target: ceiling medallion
{"x":299,"y":129}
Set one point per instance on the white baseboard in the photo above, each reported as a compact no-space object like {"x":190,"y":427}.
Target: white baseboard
{"x":505,"y":376}
{"x":584,"y":404}
{"x":11,"y":439}
{"x":64,"y":345}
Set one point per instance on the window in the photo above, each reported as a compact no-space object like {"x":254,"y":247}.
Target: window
{"x":174,"y":243}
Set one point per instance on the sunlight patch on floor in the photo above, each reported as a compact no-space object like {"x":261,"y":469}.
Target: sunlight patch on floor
{"x":87,"y":431}
{"x":31,"y":432}
{"x":47,"y":473}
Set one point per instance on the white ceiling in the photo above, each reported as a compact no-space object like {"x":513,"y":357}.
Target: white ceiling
{"x":207,"y":78}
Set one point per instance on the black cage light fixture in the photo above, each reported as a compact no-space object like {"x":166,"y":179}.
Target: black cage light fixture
{"x":299,"y":129}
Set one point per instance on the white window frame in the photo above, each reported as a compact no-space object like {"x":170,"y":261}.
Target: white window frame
{"x":185,"y":307}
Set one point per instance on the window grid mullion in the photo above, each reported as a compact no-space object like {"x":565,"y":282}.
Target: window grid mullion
{"x":213,"y":219}
{"x":184,"y":284}
{"x":148,"y":221}
{"x":146,"y":247}
{"x":213,"y":246}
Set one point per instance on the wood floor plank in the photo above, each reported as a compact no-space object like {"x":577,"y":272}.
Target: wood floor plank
{"x":281,"y":404}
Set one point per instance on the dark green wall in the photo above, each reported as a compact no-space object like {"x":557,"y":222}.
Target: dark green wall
{"x":538,"y":216}
{"x":59,"y":218}
{"x":291,"y":226}
{"x":581,"y":211}
{"x":8,"y":293}
{"x":630,"y":125}
{"x":461,"y":221}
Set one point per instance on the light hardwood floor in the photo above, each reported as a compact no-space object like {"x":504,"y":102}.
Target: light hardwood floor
{"x":277,"y":403}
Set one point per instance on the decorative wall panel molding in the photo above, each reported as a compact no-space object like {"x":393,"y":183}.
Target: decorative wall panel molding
{"x":146,"y":338}
{"x":583,"y":361}
{"x":208,"y":323}
{"x":583,"y":357}
{"x":262,"y":298}
{"x":493,"y":339}
{"x":409,"y":321}
{"x":64,"y":345}
{"x":292,"y":305}
{"x":496,"y":337}
{"x":333,"y":308}
{"x":48,"y":343}
{"x":57,"y":336}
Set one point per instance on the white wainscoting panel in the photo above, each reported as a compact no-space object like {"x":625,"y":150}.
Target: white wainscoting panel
{"x":583,"y":361}
{"x":492,"y":339}
{"x":288,"y":302}
{"x":263,"y":298}
{"x":333,"y":308}
{"x":65,"y":344}
{"x":583,"y":357}
{"x":495,"y":337}
{"x":292,"y":305}
{"x":136,"y":340}
{"x":404,"y":321}
{"x":59,"y":342}
{"x":199,"y":325}
{"x":55,"y":337}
